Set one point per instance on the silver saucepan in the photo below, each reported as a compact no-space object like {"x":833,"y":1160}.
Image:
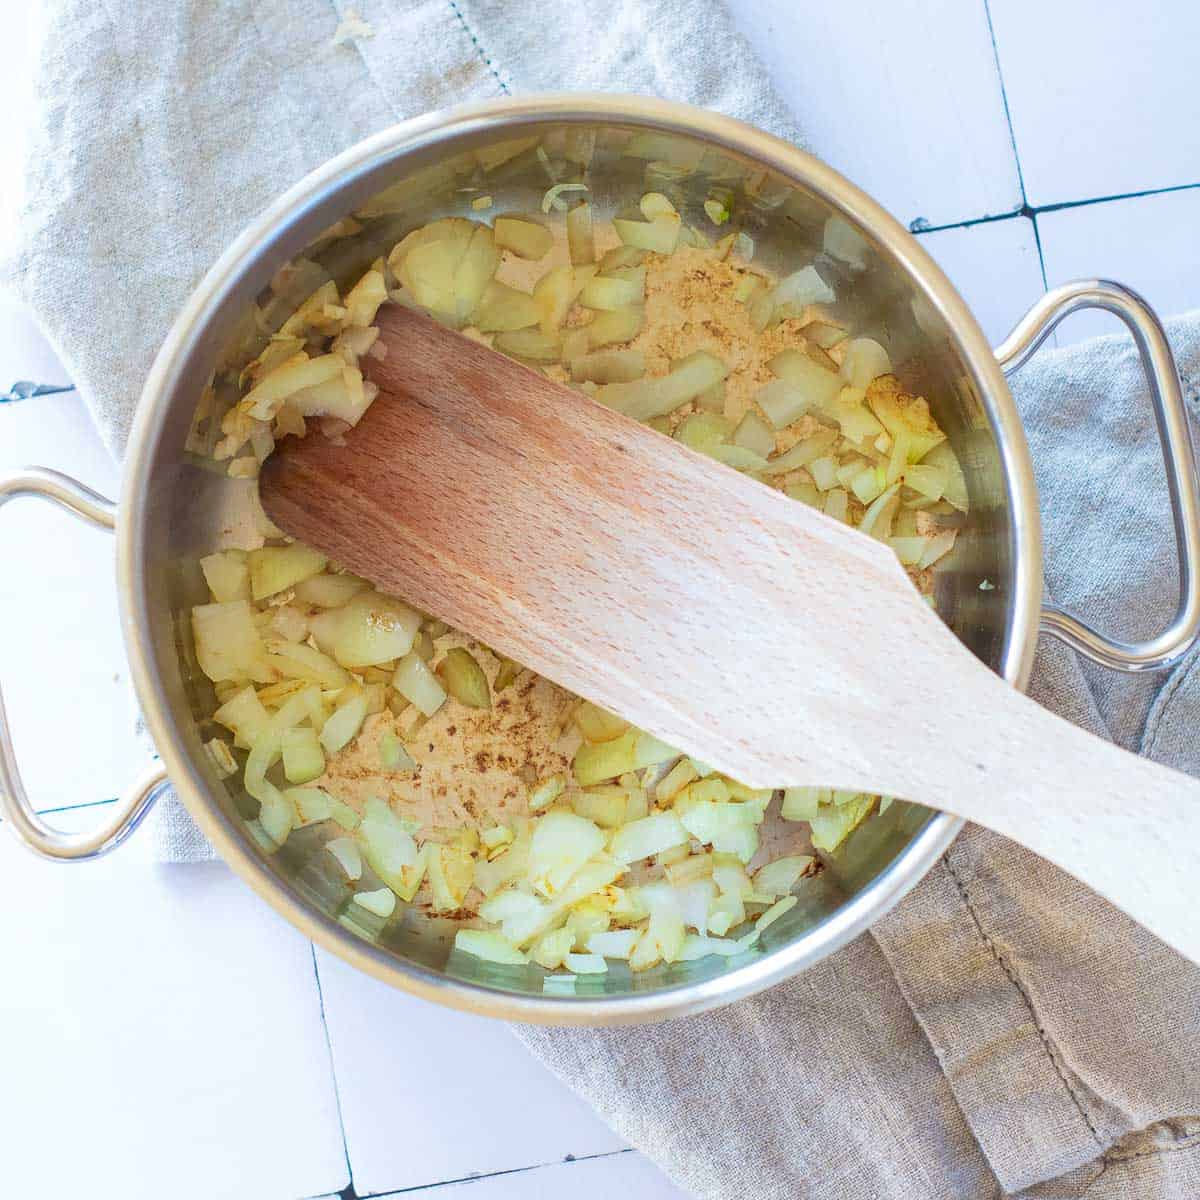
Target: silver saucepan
{"x":173,"y":504}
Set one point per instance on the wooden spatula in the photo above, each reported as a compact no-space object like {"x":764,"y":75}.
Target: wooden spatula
{"x":773,"y":642}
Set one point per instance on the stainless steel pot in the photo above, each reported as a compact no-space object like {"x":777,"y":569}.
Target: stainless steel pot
{"x":172,"y":505}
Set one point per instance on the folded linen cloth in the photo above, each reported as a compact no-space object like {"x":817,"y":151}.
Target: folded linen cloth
{"x":1003,"y":1030}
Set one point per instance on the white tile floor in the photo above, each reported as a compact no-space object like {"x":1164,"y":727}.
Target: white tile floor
{"x":161,"y":1032}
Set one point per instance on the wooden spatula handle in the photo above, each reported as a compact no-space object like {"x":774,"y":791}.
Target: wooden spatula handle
{"x":1127,"y":827}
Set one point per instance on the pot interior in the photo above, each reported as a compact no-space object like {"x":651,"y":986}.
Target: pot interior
{"x":192,"y":507}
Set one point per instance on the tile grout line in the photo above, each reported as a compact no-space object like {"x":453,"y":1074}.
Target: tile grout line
{"x":542,"y":1166}
{"x":337,"y":1094}
{"x":1037,"y":241}
{"x":1012,"y":136}
{"x":1032,"y":211}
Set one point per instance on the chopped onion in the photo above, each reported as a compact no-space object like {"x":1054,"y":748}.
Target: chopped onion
{"x":311,"y":805}
{"x":581,"y":240}
{"x":824,"y":472}
{"x":783,"y":402}
{"x":938,"y":548}
{"x":843,"y":242}
{"x":372,"y":628}
{"x":265,"y":399}
{"x":543,"y":794}
{"x":853,"y":417}
{"x":944,"y":459}
{"x":496,"y":840}
{"x":531,"y":344}
{"x":504,"y":309}
{"x":618,"y":325}
{"x":227,"y":575}
{"x":823,"y":333}
{"x":929,"y":481}
{"x":551,"y":200}
{"x":245,"y":715}
{"x":418,"y":684}
{"x":696,"y":946}
{"x":701,"y":431}
{"x":802,"y":453}
{"x":345,"y":850}
{"x":562,"y":843}
{"x":606,"y":806}
{"x":606,"y":292}
{"x":524,"y":238}
{"x":647,"y":837}
{"x":656,"y":397}
{"x":329,"y":591}
{"x":803,"y":287}
{"x":228,"y":645}
{"x":303,"y":758}
{"x":277,"y":816}
{"x":617,"y":943}
{"x":381,"y":902}
{"x":297,"y":660}
{"x":716,"y":212}
{"x":388,"y":847}
{"x":552,"y":948}
{"x":552,"y":294}
{"x":777,"y":878}
{"x":754,"y":434}
{"x":392,"y":754}
{"x":660,"y":235}
{"x":690,"y":869}
{"x":820,"y":386}
{"x":905,"y":417}
{"x":655,"y":205}
{"x":364,"y":298}
{"x":837,"y":504}
{"x":865,"y":361}
{"x":832,"y":824}
{"x":598,"y":724}
{"x":739,"y":458}
{"x":609,"y":366}
{"x":728,"y":828}
{"x":343,"y":726}
{"x":675,"y":780}
{"x":464,"y":679}
{"x":909,"y":549}
{"x":632,"y":751}
{"x":876,"y":520}
{"x":748,"y":287}
{"x":491,"y":947}
{"x":774,"y":913}
{"x":221,"y":758}
{"x":801,"y":803}
{"x":586,"y":964}
{"x":868,"y":483}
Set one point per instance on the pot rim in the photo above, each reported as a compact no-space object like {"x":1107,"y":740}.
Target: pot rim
{"x":425,"y":134}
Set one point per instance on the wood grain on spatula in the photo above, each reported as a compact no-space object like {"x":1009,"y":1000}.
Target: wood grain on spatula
{"x":777,"y":644}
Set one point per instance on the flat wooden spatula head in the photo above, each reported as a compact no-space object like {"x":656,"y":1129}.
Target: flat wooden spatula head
{"x":697,"y":603}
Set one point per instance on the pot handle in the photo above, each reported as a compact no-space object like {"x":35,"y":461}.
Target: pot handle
{"x":14,"y":803}
{"x":1166,"y":393}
